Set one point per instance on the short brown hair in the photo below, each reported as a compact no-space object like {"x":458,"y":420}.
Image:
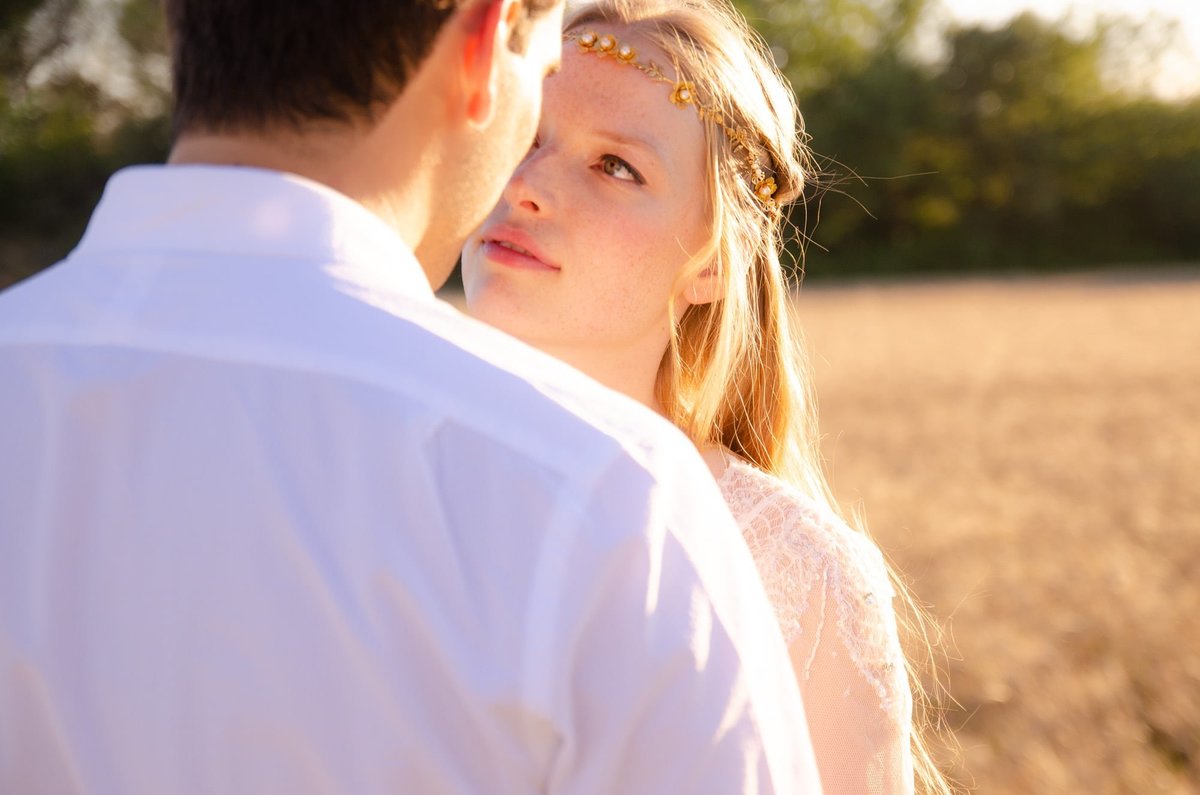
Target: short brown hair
{"x":248,"y":65}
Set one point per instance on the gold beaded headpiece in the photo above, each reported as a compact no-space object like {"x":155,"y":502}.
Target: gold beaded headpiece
{"x":683,"y":94}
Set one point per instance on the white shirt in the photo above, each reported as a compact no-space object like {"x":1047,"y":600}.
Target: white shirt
{"x":274,"y":519}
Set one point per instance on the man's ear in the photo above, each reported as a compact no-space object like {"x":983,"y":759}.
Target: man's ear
{"x":705,"y":287}
{"x":486,"y":31}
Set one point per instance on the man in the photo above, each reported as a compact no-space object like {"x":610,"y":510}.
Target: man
{"x":274,"y":519}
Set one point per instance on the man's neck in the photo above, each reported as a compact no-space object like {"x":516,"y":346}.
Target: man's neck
{"x":313,"y":156}
{"x":339,"y":159}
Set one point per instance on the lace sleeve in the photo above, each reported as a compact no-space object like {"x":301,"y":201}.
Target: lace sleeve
{"x":831,"y":594}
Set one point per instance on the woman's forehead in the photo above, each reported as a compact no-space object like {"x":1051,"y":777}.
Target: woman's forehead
{"x":593,"y":91}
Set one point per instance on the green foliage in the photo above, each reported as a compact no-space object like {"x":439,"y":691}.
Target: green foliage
{"x":821,"y":41}
{"x":62,"y":136}
{"x":1012,"y":152}
{"x":30,"y":32}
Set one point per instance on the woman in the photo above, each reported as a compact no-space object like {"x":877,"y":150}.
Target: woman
{"x":639,"y":241}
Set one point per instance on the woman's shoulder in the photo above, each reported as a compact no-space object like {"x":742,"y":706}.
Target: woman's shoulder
{"x":827,"y":582}
{"x":779,"y":519}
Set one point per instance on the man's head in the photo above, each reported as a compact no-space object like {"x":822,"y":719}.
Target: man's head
{"x":418,"y":109}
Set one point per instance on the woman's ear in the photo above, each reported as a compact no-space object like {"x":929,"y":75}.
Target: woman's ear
{"x":705,"y":287}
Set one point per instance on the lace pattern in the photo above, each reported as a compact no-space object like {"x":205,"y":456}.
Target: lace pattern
{"x":810,"y":560}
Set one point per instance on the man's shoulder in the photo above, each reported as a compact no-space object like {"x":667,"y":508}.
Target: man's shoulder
{"x":540,"y":405}
{"x":417,"y":347}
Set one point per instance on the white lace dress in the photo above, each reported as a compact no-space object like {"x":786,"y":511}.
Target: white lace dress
{"x":831,"y":594}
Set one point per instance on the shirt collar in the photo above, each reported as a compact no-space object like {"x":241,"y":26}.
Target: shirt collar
{"x":248,"y":212}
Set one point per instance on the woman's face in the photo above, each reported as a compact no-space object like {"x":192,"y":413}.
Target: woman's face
{"x":583,"y":251}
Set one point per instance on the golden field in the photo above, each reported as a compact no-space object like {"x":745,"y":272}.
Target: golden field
{"x":1027,"y":452}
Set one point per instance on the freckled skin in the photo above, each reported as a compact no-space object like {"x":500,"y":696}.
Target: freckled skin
{"x":620,"y":245}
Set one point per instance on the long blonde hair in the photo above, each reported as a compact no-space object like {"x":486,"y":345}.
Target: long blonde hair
{"x":735,"y":373}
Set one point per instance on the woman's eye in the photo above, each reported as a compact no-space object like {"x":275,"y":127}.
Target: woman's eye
{"x":616,"y":167}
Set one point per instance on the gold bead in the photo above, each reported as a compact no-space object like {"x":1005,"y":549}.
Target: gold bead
{"x":684,"y":94}
{"x":766,"y":189}
{"x":607,"y":43}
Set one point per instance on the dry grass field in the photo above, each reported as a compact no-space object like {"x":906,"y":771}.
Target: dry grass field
{"x":1028,"y":453}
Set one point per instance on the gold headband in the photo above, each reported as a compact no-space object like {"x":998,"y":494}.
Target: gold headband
{"x":683,"y":94}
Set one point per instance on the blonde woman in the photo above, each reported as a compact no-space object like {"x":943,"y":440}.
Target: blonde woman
{"x":639,"y":241}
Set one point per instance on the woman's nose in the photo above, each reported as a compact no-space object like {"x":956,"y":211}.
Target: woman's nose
{"x":527,"y":188}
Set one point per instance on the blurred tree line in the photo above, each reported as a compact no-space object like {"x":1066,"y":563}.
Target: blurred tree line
{"x":940,"y":148}
{"x":83,"y":92}
{"x":1019,"y":147}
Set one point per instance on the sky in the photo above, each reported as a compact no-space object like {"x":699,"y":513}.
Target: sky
{"x":1179,"y":70}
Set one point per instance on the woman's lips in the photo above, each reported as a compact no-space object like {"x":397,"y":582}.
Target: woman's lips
{"x":501,"y":254}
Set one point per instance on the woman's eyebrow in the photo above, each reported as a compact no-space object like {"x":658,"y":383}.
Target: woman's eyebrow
{"x":649,"y":146}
